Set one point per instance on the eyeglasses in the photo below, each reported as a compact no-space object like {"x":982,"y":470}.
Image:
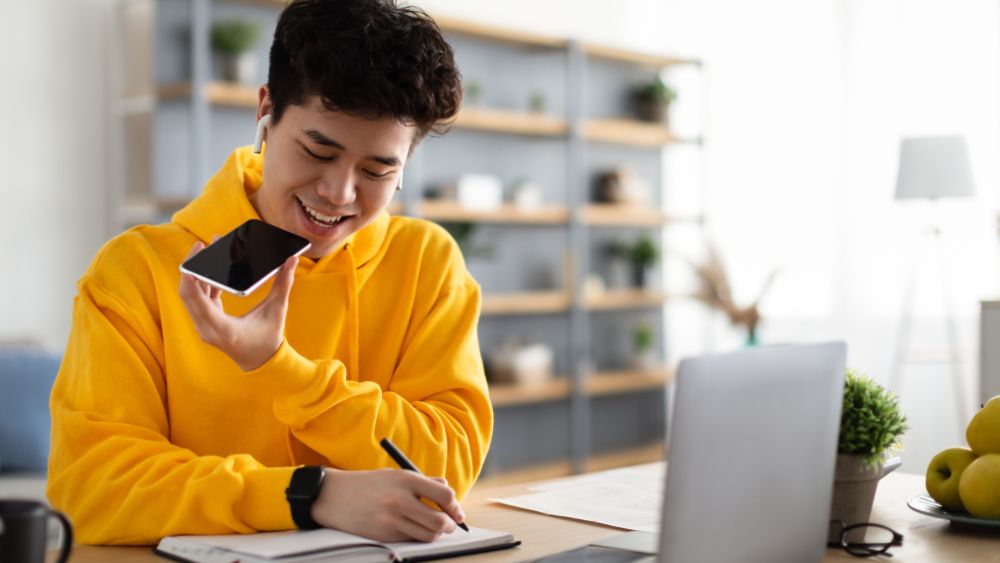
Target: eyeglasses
{"x":865,"y":539}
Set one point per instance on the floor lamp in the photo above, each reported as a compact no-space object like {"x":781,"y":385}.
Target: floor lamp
{"x":932,"y":168}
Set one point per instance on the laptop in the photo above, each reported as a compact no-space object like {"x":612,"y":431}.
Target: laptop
{"x":752,"y":448}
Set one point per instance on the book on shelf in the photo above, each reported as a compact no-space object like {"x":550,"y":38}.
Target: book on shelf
{"x":326,"y":545}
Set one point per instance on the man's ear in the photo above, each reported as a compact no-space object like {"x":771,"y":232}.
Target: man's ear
{"x":264,"y":105}
{"x":258,"y":140}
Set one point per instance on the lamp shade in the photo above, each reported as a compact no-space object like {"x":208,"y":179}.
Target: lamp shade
{"x":934,"y":167}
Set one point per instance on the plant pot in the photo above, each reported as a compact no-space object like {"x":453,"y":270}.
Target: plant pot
{"x":638,"y":275}
{"x":645,"y":361}
{"x":241,"y":68}
{"x":654,"y":111}
{"x":854,"y":486}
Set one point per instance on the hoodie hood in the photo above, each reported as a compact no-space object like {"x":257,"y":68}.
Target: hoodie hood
{"x":225,"y":204}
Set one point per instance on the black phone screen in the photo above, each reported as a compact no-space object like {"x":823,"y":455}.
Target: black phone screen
{"x":246,"y":256}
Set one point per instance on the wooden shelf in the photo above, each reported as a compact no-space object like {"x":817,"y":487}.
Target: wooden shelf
{"x":611,"y":214}
{"x":613,"y":299}
{"x":446,"y":211}
{"x":627,"y":132}
{"x":613,"y":383}
{"x":509,"y":121}
{"x":512,"y":394}
{"x":635,"y":57}
{"x":559,"y":388}
{"x":648,"y":453}
{"x":219,"y":93}
{"x":506,"y":35}
{"x":528,"y":302}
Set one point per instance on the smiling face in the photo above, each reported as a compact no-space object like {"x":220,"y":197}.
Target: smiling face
{"x":328,"y":174}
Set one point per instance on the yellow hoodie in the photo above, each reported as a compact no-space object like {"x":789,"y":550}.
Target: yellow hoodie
{"x":155,"y":433}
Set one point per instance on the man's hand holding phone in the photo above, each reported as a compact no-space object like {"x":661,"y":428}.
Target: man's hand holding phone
{"x":249,"y":340}
{"x":239,"y":263}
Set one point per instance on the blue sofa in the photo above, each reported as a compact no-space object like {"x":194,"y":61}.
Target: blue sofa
{"x":26,"y":377}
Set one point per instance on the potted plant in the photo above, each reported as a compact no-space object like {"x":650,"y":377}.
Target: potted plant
{"x":463,"y":235}
{"x":537,"y":101}
{"x":642,"y":255}
{"x":233,"y":42}
{"x":642,"y":343}
{"x":652,"y":100}
{"x":472,"y":93}
{"x":870,"y":424}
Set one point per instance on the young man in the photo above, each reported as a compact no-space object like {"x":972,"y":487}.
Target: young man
{"x":180,"y":410}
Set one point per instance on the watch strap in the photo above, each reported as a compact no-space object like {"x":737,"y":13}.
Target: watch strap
{"x":302,"y":492}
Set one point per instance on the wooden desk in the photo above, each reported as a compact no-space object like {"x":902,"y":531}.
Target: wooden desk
{"x":926,"y":539}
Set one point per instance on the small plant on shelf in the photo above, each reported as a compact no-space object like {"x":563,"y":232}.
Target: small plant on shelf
{"x":233,"y":42}
{"x":642,"y":255}
{"x":463,"y":235}
{"x":537,"y":101}
{"x":472,"y":93}
{"x":652,"y":100}
{"x":642,"y":344}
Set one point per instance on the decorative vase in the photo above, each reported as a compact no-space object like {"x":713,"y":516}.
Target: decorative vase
{"x":854,"y":485}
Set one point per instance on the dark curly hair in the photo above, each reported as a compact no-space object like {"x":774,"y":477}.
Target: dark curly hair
{"x":370,"y":58}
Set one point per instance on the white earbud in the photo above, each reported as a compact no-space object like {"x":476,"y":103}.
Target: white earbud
{"x":258,"y":140}
{"x":399,"y":186}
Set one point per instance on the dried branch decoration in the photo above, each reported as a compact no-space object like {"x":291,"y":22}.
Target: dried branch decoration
{"x":717,"y":292}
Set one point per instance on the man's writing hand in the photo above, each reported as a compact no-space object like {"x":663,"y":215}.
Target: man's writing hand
{"x":385,"y":505}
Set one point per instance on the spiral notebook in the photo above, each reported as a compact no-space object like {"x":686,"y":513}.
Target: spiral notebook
{"x":326,"y":546}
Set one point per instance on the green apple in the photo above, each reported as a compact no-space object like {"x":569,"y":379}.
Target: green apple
{"x":943,"y":476}
{"x":980,"y":487}
{"x":983,"y":433}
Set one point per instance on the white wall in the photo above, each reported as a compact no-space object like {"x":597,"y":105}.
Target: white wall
{"x":806,"y":115}
{"x":53,"y":157}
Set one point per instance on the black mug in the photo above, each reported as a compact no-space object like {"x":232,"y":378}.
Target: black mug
{"x":24,"y":526}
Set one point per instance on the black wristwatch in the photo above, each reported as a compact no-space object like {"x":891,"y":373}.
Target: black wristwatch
{"x":302,"y":492}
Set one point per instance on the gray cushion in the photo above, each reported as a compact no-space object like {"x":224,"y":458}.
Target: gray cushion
{"x":26,"y":377}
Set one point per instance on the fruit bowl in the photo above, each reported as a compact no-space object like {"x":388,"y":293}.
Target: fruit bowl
{"x":924,"y":504}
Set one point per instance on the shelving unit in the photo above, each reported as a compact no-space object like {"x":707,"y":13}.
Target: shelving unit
{"x":525,"y":290}
{"x":607,"y":214}
{"x":506,"y":121}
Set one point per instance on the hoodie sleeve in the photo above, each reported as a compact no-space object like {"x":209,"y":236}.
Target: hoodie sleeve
{"x":112,"y":468}
{"x":436,"y":408}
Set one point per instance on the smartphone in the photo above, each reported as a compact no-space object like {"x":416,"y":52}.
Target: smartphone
{"x":245,"y":258}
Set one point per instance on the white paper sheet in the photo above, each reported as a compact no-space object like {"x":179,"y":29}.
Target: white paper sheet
{"x":628,"y":498}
